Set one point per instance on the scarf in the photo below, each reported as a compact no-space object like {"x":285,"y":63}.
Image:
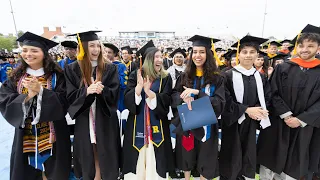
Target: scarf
{"x":305,"y":64}
{"x":272,"y":55}
{"x":38,"y":137}
{"x":146,"y":124}
{"x":239,"y":90}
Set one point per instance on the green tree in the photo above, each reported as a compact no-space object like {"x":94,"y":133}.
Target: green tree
{"x":8,"y":42}
{"x":20,"y":33}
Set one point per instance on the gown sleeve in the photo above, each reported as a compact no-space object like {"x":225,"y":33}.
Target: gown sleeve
{"x":76,"y":96}
{"x":129,"y":94}
{"x":311,"y":116}
{"x":233,"y":109}
{"x":278,"y":104}
{"x":109,"y":96}
{"x":11,"y":106}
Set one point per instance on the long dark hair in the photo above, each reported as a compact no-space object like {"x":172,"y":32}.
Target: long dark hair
{"x":49,"y":67}
{"x":210,"y":70}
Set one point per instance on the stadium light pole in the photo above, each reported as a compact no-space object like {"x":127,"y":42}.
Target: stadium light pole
{"x":14,"y":21}
{"x":264,"y":17}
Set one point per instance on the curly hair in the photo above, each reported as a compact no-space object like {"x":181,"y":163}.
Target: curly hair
{"x":49,"y":67}
{"x":210,"y":70}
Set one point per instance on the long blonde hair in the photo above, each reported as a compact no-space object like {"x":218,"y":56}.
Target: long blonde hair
{"x":86,"y":67}
{"x":148,"y":66}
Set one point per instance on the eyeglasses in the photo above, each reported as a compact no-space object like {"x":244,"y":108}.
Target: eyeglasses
{"x":178,"y":56}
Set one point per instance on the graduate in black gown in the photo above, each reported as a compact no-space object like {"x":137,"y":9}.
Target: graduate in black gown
{"x":147,"y":144}
{"x":33,"y":101}
{"x":248,"y":95}
{"x":196,"y":148}
{"x":126,"y":53}
{"x":92,"y":91}
{"x":284,"y":148}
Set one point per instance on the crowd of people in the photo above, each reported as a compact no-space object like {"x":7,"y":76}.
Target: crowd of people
{"x":153,"y":112}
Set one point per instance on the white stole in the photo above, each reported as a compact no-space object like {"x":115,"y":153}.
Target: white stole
{"x":239,"y":90}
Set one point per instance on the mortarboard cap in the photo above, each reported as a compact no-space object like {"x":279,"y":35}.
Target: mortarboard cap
{"x":87,"y":36}
{"x":112,"y":46}
{"x":179,"y":50}
{"x":250,"y":39}
{"x":134,"y":49}
{"x":308,"y":29}
{"x":69,"y":44}
{"x":31,"y":39}
{"x":127,"y":48}
{"x":219,"y":49}
{"x":247,"y":39}
{"x":229,"y":54}
{"x":261,"y":53}
{"x":291,"y":48}
{"x":198,"y":40}
{"x":142,"y":52}
{"x":169,"y":49}
{"x":275,"y":43}
{"x":285,"y":41}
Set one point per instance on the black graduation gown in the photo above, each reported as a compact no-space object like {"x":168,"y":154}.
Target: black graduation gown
{"x":132,"y":67}
{"x":204,"y":156}
{"x":285,"y":149}
{"x":53,"y":108}
{"x":163,"y":153}
{"x":107,"y":129}
{"x":238,"y":148}
{"x":167,"y":63}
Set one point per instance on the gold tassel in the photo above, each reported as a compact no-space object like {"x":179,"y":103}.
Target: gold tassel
{"x":81,"y":50}
{"x":140,"y":59}
{"x":237,"y":56}
{"x":215,"y":54}
{"x":296,"y":43}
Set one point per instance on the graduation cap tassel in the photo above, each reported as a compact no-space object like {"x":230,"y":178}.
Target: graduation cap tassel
{"x":219,"y":63}
{"x":140,"y":58}
{"x":81,"y":50}
{"x":296,"y":43}
{"x":237,"y":56}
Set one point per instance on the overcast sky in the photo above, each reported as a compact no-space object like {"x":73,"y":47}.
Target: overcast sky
{"x":284,"y":19}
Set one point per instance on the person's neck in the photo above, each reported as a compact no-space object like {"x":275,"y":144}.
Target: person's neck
{"x":199,"y":68}
{"x":36,"y":66}
{"x":308,"y":60}
{"x":247,"y":67}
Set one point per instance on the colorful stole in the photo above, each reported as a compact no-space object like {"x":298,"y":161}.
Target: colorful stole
{"x":305,"y":64}
{"x":188,"y":141}
{"x":146,"y":124}
{"x":37,"y":139}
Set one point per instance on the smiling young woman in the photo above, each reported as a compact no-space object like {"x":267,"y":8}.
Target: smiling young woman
{"x":194,"y":149}
{"x":33,"y":101}
{"x":92,"y":91}
{"x":147,"y":143}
